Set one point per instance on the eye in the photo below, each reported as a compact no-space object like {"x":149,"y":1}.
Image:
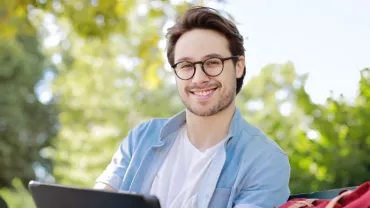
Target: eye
{"x":185,"y":66}
{"x":213,"y":63}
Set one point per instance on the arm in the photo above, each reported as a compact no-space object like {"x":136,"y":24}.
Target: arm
{"x":268,"y":184}
{"x":113,"y":175}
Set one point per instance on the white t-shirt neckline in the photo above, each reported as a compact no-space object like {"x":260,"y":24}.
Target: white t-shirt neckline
{"x":178,"y":180}
{"x":187,"y":141}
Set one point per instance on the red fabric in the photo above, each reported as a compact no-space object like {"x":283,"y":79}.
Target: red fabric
{"x":358,"y":198}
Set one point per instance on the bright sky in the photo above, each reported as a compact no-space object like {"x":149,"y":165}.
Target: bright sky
{"x":329,"y":39}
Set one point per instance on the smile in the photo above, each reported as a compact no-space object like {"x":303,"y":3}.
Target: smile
{"x":204,"y":92}
{"x":203,"y":95}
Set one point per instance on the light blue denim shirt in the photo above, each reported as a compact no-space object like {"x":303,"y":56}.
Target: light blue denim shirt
{"x":250,"y":171}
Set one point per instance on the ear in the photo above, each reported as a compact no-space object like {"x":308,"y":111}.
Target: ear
{"x":240,"y":66}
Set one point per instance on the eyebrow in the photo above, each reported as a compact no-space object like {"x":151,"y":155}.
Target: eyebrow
{"x":211,"y":55}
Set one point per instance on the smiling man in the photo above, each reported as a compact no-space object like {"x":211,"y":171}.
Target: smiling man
{"x":207,"y":155}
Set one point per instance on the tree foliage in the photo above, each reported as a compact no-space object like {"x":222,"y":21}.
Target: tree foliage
{"x":326,"y":144}
{"x":108,"y":85}
{"x":27,"y":125}
{"x":342,"y":147}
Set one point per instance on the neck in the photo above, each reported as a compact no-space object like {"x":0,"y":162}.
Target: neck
{"x":205,"y":132}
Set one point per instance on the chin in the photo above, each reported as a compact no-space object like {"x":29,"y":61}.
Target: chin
{"x":203,"y":111}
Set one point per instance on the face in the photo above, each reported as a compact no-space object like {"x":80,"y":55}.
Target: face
{"x":205,"y":95}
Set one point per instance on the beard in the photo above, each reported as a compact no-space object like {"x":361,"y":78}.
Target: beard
{"x":224,"y":101}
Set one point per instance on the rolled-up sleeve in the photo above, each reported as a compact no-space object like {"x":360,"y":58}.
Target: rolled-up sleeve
{"x":268,"y":184}
{"x":116,"y":170}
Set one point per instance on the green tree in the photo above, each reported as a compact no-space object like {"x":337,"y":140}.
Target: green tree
{"x":327,"y":144}
{"x":127,"y":32}
{"x":109,"y":80}
{"x":26,"y":124}
{"x":18,"y":196}
{"x":342,"y":146}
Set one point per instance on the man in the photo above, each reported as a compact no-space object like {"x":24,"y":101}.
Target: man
{"x":207,"y":155}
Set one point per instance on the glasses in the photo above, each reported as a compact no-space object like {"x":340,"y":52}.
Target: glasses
{"x":213,"y":67}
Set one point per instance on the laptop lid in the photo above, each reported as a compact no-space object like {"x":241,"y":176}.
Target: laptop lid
{"x":61,"y":196}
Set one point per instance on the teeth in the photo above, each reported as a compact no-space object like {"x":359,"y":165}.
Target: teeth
{"x":203,"y":93}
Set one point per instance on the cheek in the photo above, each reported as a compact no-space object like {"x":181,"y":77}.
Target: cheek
{"x":180,"y":86}
{"x":227,"y":79}
{"x":227,"y":83}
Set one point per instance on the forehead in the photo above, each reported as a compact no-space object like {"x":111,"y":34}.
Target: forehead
{"x":198,"y":43}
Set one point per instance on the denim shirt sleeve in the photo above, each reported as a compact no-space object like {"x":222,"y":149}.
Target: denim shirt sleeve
{"x":116,"y":170}
{"x":267,"y":185}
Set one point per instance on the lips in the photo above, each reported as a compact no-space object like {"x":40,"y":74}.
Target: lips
{"x":204,"y":92}
{"x":203,"y":95}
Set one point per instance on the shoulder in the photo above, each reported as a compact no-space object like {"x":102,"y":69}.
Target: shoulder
{"x":264,"y":164}
{"x":258,"y":152}
{"x":147,"y":132}
{"x":255,"y":138}
{"x":154,"y":124}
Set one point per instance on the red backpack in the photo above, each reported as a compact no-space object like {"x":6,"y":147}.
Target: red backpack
{"x":358,"y":198}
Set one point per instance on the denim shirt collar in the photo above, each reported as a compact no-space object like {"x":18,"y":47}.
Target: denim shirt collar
{"x":174,"y":124}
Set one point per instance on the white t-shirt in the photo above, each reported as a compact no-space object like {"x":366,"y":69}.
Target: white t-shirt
{"x":177,"y":181}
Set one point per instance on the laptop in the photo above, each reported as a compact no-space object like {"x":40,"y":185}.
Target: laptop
{"x":62,"y":196}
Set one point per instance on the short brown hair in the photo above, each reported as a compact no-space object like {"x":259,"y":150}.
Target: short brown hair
{"x":206,"y":18}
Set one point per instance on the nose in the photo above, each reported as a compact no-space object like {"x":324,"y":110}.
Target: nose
{"x":199,"y":77}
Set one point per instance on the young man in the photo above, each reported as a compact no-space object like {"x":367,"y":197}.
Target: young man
{"x":207,"y":155}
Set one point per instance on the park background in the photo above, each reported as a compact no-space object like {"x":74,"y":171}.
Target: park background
{"x":76,"y":75}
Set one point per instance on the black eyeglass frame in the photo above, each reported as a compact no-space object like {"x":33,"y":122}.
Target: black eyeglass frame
{"x":202,"y":64}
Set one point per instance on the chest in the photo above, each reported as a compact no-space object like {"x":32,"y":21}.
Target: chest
{"x":185,"y":162}
{"x":213,"y":177}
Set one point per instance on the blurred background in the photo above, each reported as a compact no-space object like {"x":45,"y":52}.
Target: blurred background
{"x":76,"y":75}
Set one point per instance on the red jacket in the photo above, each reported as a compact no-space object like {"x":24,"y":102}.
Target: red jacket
{"x":358,"y":198}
